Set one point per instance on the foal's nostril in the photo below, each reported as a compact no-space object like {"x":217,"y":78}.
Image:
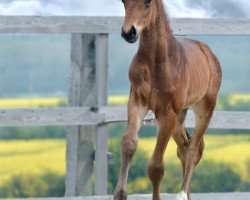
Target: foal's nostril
{"x":133,"y":31}
{"x":124,"y":34}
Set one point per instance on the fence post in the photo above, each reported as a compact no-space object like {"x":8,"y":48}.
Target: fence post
{"x":101,"y":149}
{"x":80,"y":139}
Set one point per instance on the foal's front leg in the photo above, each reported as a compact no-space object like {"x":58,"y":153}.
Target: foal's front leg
{"x":166,"y":124}
{"x":136,"y":114}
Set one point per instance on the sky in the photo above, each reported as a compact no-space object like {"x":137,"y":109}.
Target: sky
{"x":175,"y":8}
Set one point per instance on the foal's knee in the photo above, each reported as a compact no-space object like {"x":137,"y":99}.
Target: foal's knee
{"x":128,"y":146}
{"x":155,"y":171}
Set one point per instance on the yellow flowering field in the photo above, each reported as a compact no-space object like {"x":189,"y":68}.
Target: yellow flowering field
{"x":50,"y":102}
{"x":31,"y":102}
{"x":231,"y":149}
{"x":38,"y":156}
{"x":233,"y":99}
{"x":118,"y":100}
{"x":31,"y":156}
{"x":238,"y":98}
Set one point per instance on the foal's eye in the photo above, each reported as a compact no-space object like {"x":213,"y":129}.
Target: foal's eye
{"x":148,"y":2}
{"x":123,"y":1}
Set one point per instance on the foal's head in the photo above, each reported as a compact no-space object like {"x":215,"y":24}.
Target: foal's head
{"x":138,"y":14}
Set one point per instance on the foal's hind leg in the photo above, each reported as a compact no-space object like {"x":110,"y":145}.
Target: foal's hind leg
{"x":182,"y":140}
{"x":203,"y":112}
{"x":136,"y":114}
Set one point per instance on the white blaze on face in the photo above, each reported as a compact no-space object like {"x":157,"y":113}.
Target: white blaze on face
{"x":182,"y":196}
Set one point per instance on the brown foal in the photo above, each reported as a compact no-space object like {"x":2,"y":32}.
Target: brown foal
{"x":168,"y":76}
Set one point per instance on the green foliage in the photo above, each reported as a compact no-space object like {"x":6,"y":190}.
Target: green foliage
{"x":209,"y":176}
{"x":49,"y":184}
{"x":248,"y":169}
{"x":116,"y":130}
{"x":56,"y":184}
{"x":10,"y":133}
{"x":172,"y":179}
{"x":215,"y":177}
{"x":246,"y":185}
{"x":148,"y":131}
{"x":138,"y":167}
{"x":227,"y":102}
{"x":62,"y":103}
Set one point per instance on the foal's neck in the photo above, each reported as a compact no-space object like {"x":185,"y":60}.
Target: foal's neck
{"x":157,"y":39}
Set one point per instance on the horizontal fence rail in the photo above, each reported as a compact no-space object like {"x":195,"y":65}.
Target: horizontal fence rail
{"x":84,"y":24}
{"x":107,"y":114}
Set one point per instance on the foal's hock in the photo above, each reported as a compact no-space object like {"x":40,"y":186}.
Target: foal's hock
{"x":167,"y":76}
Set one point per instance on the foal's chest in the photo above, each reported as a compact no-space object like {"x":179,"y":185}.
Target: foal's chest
{"x":140,"y":79}
{"x":149,"y":87}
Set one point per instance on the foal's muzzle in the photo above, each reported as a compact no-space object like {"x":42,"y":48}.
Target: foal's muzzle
{"x":130,"y":36}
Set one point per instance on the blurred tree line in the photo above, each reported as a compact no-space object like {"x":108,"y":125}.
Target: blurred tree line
{"x":49,"y":184}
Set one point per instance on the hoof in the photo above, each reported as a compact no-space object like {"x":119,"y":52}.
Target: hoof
{"x":120,"y":195}
{"x":182,"y":196}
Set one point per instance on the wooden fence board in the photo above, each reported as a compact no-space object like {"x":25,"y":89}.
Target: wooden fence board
{"x":101,"y":136}
{"x":49,"y":116}
{"x":81,"y":139}
{"x":106,"y":114}
{"x":84,"y":24}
